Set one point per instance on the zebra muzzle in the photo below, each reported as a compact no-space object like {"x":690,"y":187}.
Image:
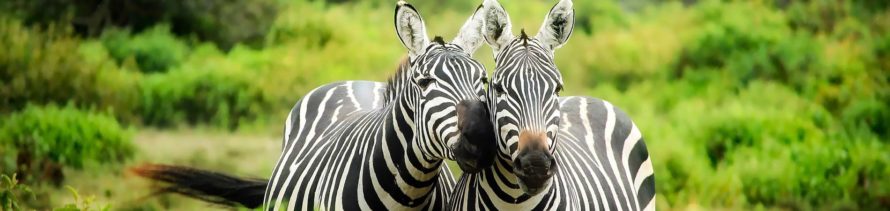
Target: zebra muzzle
{"x":476,"y":146}
{"x":534,"y":166}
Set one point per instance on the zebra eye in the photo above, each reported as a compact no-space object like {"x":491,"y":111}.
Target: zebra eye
{"x":558,"y":89}
{"x":425,"y":82}
{"x":484,"y":81}
{"x":497,"y":88}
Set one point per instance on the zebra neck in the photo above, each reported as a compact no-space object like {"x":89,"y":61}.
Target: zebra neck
{"x":400,"y":169}
{"x":504,"y":171}
{"x":406,"y":98}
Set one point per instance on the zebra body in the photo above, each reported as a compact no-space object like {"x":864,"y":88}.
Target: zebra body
{"x":362,"y":145}
{"x":571,"y":153}
{"x":334,"y":151}
{"x":603,"y":165}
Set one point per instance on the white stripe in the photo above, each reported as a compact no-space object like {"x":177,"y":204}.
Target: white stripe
{"x":588,"y":137}
{"x":610,"y":155}
{"x":287,"y":151}
{"x":629,"y":143}
{"x":293,"y":166}
{"x":644,"y":172}
{"x":651,"y":205}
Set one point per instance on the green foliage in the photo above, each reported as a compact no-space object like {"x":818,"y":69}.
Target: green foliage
{"x":744,"y":104}
{"x":41,"y":140}
{"x":79,"y":204}
{"x":224,"y":22}
{"x":211,"y":88}
{"x":747,"y":47}
{"x":43,"y":66}
{"x":154,"y":50}
{"x":11,"y":192}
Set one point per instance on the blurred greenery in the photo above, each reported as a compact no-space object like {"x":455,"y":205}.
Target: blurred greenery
{"x":38,"y":141}
{"x":745,"y":104}
{"x":11,"y":192}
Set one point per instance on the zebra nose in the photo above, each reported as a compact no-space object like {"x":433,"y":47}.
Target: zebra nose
{"x":534,"y":165}
{"x":476,"y":144}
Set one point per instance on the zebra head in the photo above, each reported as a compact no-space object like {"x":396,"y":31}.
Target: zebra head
{"x":451,"y":116}
{"x":524,"y":92}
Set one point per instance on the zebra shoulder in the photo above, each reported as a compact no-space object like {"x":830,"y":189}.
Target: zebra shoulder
{"x":601,"y":120}
{"x":626,"y":139}
{"x":578,"y":111}
{"x":327,"y":104}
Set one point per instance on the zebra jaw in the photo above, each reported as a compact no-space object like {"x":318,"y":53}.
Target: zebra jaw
{"x":532,"y":191}
{"x":476,"y":144}
{"x":535,"y":169}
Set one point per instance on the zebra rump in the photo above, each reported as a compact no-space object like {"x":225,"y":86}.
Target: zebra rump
{"x":209,"y":186}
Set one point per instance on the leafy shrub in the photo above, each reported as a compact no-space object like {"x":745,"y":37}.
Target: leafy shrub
{"x":13,"y":196}
{"x":211,"y":88}
{"x":829,"y":16}
{"x":154,"y":50}
{"x":301,"y":22}
{"x":81,"y":204}
{"x":42,"y":140}
{"x":760,"y":47}
{"x":869,"y":115}
{"x":765,"y":146}
{"x":43,"y":66}
{"x":11,"y":192}
{"x":225,"y":22}
{"x":614,"y":54}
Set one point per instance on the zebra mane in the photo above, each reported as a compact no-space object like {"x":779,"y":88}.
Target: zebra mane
{"x":439,"y":40}
{"x":394,"y":82}
{"x":524,"y":37}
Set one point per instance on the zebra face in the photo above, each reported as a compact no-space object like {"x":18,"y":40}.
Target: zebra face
{"x":524,"y":93}
{"x":450,"y":113}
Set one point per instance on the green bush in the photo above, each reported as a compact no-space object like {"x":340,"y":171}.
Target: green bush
{"x":744,"y":104}
{"x":44,"y":66}
{"x":154,"y":50}
{"x":42,"y":140}
{"x":211,"y":88}
{"x":224,"y":22}
{"x":11,"y":192}
{"x":749,"y":47}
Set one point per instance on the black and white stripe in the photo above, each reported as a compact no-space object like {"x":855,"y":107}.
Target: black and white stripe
{"x":570,"y":153}
{"x":362,"y":145}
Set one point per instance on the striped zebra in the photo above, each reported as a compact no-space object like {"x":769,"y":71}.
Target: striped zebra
{"x":362,"y":145}
{"x":554,"y":153}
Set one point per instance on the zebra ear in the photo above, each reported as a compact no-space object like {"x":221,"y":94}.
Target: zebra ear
{"x":558,"y":25}
{"x":411,"y":29}
{"x":470,"y":36}
{"x":496,"y":27}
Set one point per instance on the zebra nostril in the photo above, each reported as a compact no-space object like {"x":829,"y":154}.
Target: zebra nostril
{"x":535,"y":164}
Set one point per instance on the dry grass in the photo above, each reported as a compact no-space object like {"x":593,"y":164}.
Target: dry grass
{"x":238,"y":154}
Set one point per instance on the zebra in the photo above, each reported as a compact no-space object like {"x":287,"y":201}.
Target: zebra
{"x":554,"y":153}
{"x":362,"y":145}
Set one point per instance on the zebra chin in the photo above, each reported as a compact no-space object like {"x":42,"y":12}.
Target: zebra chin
{"x":476,"y":144}
{"x":534,"y":166}
{"x":533,"y":180}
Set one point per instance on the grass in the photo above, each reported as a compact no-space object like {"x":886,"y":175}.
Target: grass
{"x":238,"y":154}
{"x":247,"y":155}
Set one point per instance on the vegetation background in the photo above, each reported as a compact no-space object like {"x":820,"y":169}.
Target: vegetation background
{"x":763,"y":104}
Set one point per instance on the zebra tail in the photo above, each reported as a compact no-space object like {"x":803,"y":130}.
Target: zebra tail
{"x":213,"y":187}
